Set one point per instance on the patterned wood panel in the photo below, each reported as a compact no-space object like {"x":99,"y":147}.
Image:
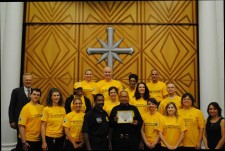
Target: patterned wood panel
{"x":51,"y":54}
{"x":169,"y":11}
{"x":162,"y":33}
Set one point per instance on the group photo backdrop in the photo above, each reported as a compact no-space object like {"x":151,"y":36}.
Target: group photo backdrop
{"x":163,"y":34}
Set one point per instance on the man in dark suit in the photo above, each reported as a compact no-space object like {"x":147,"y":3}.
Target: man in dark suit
{"x":19,"y":98}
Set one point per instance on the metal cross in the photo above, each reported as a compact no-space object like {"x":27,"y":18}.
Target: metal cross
{"x":110,"y":50}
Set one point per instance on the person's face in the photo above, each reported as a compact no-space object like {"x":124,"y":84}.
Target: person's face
{"x":171,"y":88}
{"x":35,"y":96}
{"x":132,"y":82}
{"x":108,"y":73}
{"x":155,"y":76}
{"x":113,"y":94}
{"x":124,"y":98}
{"x":187,"y":102}
{"x":213,"y":111}
{"x":88,"y":75}
{"x":171,"y":109}
{"x":78,"y":91}
{"x":151,"y":106}
{"x":77,"y":105}
{"x":27,"y":81}
{"x":55,"y":97}
{"x":141,"y":88}
{"x":99,"y":101}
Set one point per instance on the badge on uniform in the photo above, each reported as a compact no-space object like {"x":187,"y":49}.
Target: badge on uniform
{"x":99,"y":119}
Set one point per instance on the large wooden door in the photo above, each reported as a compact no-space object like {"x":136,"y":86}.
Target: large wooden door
{"x":163,"y":35}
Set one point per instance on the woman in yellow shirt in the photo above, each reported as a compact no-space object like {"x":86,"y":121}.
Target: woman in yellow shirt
{"x":89,"y":86}
{"x":194,"y":121}
{"x":72,"y":124}
{"x":151,"y":120}
{"x":171,"y":128}
{"x":112,"y":101}
{"x":51,"y":122}
{"x":140,"y":98}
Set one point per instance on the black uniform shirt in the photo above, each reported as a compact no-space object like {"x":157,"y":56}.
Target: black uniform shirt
{"x":96,"y":123}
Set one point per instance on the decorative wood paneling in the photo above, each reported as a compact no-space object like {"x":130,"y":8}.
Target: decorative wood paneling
{"x":110,"y":12}
{"x":51,"y":54}
{"x":169,"y":11}
{"x":60,"y":12}
{"x":162,"y":33}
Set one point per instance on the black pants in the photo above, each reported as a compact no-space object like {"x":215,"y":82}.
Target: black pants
{"x":157,"y":147}
{"x":69,"y":146}
{"x":34,"y":146}
{"x":178,"y":148}
{"x":55,"y":144}
{"x":127,"y":142}
{"x":99,"y":143}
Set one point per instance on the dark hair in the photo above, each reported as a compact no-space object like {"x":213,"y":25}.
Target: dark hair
{"x":215,"y":105}
{"x":190,"y":96}
{"x":152,"y":100}
{"x":111,"y":88}
{"x":97,"y":95}
{"x":133,"y":76}
{"x":35,"y":89}
{"x":137,"y":95}
{"x":49,"y":97}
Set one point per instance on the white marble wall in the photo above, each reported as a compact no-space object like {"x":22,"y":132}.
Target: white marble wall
{"x":2,"y":24}
{"x":11,"y":44}
{"x":220,"y":50}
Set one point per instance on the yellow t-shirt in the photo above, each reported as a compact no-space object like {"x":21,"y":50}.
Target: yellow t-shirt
{"x":74,"y":121}
{"x":53,"y":116}
{"x":194,"y":120}
{"x":157,"y":90}
{"x":130,"y":92}
{"x":83,"y":106}
{"x":141,"y":104}
{"x":30,"y":117}
{"x":171,"y":128}
{"x":108,"y":105}
{"x":164,"y":102}
{"x":151,"y":122}
{"x":103,"y":87}
{"x":89,"y":89}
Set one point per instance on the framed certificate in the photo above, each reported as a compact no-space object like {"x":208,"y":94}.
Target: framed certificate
{"x":125,"y":116}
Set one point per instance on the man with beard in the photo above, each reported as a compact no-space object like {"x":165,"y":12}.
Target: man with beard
{"x":95,"y":128}
{"x":125,"y":123}
{"x":77,"y":93}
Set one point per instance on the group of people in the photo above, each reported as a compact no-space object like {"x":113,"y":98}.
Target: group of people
{"x":106,"y":116}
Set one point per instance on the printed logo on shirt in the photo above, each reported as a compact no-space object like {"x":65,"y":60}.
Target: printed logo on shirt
{"x":107,"y":119}
{"x":99,"y":120}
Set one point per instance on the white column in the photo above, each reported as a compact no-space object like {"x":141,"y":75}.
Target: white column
{"x":10,"y":68}
{"x":208,"y":58}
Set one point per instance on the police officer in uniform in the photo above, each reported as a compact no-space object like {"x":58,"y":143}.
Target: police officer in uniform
{"x":95,"y":128}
